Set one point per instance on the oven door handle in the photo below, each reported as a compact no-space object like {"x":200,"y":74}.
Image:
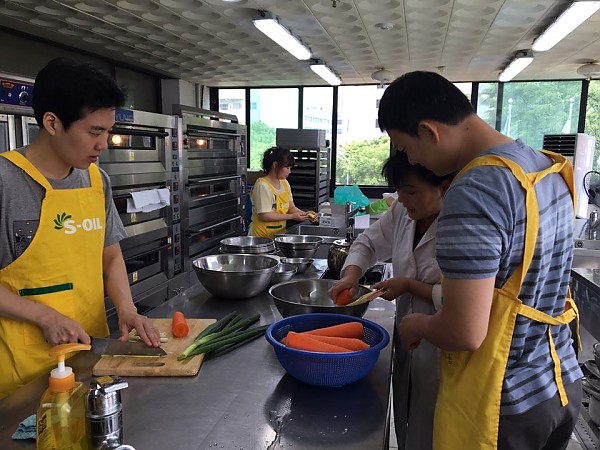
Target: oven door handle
{"x":202,"y":230}
{"x":211,"y":180}
{"x":130,"y":132}
{"x":128,"y":195}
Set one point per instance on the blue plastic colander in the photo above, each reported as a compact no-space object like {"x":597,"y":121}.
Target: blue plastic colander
{"x":326,"y":369}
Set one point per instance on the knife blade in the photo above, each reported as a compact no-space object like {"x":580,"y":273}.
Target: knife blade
{"x":103,"y":346}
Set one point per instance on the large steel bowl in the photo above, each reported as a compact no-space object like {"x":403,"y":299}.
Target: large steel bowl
{"x":247,"y":244}
{"x":310,"y":296}
{"x":235,"y":276}
{"x":298,"y":245}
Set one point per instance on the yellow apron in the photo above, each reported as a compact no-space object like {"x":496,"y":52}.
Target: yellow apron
{"x":468,"y":405}
{"x":282,"y":206}
{"x":61,"y":268}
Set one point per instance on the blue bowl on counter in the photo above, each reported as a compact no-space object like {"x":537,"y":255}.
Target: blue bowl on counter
{"x":326,"y":369}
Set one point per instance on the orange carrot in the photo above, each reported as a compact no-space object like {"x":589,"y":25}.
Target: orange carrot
{"x":349,"y":343}
{"x":284,"y":340}
{"x":348,"y":329}
{"x":343,"y":298}
{"x":179,"y":326}
{"x":301,"y":341}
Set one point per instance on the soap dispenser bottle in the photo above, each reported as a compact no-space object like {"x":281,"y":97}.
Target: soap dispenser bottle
{"x":60,"y":418}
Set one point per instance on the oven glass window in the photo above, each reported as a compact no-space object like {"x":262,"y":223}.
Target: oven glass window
{"x":32,"y":132}
{"x":139,"y":262}
{"x":131,"y":142}
{"x":200,"y":191}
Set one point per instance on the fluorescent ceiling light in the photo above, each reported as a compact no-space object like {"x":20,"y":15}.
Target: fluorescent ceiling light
{"x":575,"y":15}
{"x":269,"y":25}
{"x":522,"y":60}
{"x":325,"y":72}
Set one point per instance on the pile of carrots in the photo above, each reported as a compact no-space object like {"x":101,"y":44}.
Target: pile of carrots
{"x":343,"y":338}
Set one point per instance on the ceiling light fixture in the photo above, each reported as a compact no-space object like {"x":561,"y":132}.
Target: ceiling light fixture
{"x":577,"y":13}
{"x":325,"y":72}
{"x":383,"y":76}
{"x":268,"y":24}
{"x":521,"y":60}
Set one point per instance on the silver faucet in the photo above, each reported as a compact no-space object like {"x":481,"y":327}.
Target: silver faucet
{"x":349,"y":214}
{"x":592,"y":225}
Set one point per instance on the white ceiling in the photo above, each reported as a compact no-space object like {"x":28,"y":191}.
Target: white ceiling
{"x":213,"y":42}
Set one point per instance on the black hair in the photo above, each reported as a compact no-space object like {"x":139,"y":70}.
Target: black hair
{"x":277,"y":155}
{"x":417,"y":96}
{"x":72,"y":89}
{"x":397,"y":168}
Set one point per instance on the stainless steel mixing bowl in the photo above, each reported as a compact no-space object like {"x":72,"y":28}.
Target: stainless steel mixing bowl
{"x":235,"y":276}
{"x":300,"y":263}
{"x":298,"y":246}
{"x":283,"y":272}
{"x":310,"y":296}
{"x":247,"y":244}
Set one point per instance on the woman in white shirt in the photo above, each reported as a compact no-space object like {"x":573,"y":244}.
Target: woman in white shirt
{"x":406,"y":234}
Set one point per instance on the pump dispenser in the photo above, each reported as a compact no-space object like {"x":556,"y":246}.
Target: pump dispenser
{"x":60,"y":418}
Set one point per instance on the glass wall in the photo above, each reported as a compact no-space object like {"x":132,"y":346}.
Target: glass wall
{"x":487,"y":100}
{"x":233,"y":101}
{"x":361,"y":146}
{"x":592,"y":118}
{"x":317,"y":109}
{"x":465,"y":88}
{"x":532,"y":109}
{"x":270,"y":109}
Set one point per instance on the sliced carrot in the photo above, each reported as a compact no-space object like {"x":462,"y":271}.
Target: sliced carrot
{"x":179,"y":325}
{"x":284,"y":340}
{"x":353,"y":344}
{"x":301,"y":341}
{"x":343,"y":298}
{"x":348,"y":329}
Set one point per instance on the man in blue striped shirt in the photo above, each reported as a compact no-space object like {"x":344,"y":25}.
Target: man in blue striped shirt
{"x":510,"y":377}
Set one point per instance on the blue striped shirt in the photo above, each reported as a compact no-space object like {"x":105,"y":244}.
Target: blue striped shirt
{"x":480,"y":235}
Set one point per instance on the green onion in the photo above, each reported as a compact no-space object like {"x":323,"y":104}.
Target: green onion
{"x":235,"y":338}
{"x":229,"y":326}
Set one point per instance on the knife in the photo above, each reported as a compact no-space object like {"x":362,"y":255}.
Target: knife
{"x":102,"y":346}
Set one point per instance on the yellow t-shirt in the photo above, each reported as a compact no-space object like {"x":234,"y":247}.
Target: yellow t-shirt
{"x":265,"y":198}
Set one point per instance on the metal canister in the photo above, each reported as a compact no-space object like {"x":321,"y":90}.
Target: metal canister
{"x":104,"y":413}
{"x":338,"y":252}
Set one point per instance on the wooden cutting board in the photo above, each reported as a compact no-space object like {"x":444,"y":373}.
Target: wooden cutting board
{"x":158,"y":366}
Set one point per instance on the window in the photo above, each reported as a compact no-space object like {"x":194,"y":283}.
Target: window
{"x":275,"y":108}
{"x":318,"y":104}
{"x":532,"y":109}
{"x":592,"y":118}
{"x":361,"y":146}
{"x":487,"y":100}
{"x":233,"y":101}
{"x":465,"y":88}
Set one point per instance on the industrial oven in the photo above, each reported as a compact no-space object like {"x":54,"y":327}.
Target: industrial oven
{"x":214,"y":180}
{"x":18,"y":127}
{"x":143,"y":158}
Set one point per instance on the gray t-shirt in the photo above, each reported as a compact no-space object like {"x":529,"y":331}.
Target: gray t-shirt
{"x":20,"y":205}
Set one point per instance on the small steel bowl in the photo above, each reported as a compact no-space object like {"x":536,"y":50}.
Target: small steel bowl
{"x":300,"y":263}
{"x":283,"y":272}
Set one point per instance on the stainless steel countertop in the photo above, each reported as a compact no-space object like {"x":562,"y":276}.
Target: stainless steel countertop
{"x":241,"y":400}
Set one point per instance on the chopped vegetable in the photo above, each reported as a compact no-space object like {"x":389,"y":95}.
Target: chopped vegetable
{"x":348,"y":329}
{"x":301,"y":341}
{"x":353,"y":344}
{"x":233,"y":329}
{"x":344,"y":298}
{"x":136,"y":338}
{"x":179,"y":326}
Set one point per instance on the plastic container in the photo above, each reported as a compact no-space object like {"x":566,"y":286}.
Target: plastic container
{"x":326,"y":369}
{"x":325,"y":215}
{"x":60,"y":418}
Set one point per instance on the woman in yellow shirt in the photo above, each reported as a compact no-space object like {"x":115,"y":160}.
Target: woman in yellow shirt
{"x":272,"y":201}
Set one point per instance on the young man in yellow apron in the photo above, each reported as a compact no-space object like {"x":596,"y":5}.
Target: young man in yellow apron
{"x":509,"y":374}
{"x":59,"y":230}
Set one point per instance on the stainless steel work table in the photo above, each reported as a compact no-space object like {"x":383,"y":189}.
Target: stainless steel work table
{"x":241,"y":400}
